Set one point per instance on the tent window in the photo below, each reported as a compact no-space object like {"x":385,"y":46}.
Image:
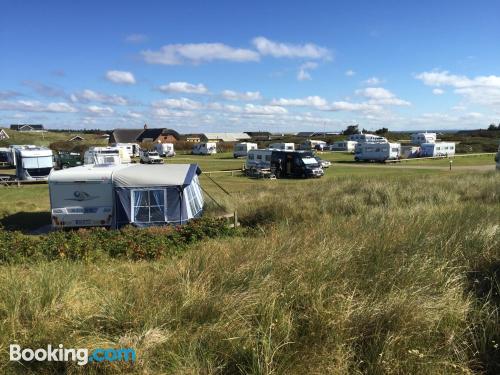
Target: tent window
{"x":149,"y":206}
{"x":195,"y":199}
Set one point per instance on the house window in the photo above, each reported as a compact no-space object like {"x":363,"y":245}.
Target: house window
{"x":149,"y":206}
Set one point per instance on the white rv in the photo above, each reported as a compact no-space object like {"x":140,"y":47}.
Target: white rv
{"x":367,"y":138}
{"x":103,"y":155}
{"x":241,"y":149}
{"x":33,"y":163}
{"x":347,"y":146}
{"x":420,"y":138}
{"x":260,"y":159}
{"x":118,"y":195}
{"x":208,"y":148}
{"x":311,"y":144}
{"x":377,"y":151}
{"x":437,"y":149}
{"x":282,"y":146}
{"x":165,"y":149}
{"x":131,"y":148}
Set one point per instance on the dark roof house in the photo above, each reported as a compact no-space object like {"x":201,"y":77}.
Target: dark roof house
{"x":125,"y":135}
{"x":158,"y":135}
{"x":27,"y":127}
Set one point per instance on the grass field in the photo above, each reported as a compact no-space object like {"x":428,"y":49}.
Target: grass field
{"x":371,"y":269}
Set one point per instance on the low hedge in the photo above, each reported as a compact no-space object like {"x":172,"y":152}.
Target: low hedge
{"x":129,"y":242}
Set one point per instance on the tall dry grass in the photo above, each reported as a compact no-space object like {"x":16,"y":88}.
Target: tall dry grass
{"x":355,"y":275}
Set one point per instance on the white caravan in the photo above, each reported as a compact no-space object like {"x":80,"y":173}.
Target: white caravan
{"x":208,"y":148}
{"x":165,"y":149}
{"x":241,"y":149}
{"x":437,"y":149}
{"x":419,"y":138}
{"x":104,"y":155}
{"x":367,"y":138}
{"x":347,"y":146}
{"x":260,"y":159}
{"x":311,"y":144}
{"x":282,"y":146}
{"x":33,"y":163}
{"x":377,"y":151}
{"x":131,"y":148}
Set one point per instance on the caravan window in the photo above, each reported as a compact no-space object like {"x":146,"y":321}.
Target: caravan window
{"x":148,"y":206}
{"x":250,"y":156}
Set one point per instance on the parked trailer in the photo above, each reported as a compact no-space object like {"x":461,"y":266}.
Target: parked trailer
{"x":165,"y":149}
{"x":241,"y":149}
{"x":420,"y":138}
{"x":282,"y":146}
{"x":208,"y":148}
{"x":132,"y":149}
{"x":377,"y":152}
{"x":33,"y":163}
{"x":437,"y":149}
{"x":118,"y":195}
{"x":104,"y":155}
{"x":367,"y":138}
{"x":347,"y":146}
{"x":259,"y":159}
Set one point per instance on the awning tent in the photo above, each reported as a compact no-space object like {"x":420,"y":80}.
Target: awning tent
{"x":148,"y":195}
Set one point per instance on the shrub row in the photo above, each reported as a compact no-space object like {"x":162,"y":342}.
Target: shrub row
{"x":90,"y":244}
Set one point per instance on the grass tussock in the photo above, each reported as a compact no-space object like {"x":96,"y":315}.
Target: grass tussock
{"x":355,"y":275}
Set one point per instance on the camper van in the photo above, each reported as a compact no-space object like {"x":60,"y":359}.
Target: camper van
{"x":282,"y":146}
{"x":33,"y":163}
{"x":241,"y":149}
{"x":377,"y":151}
{"x":367,"y":138}
{"x":208,"y":148}
{"x":165,"y":149}
{"x":131,"y":148}
{"x":260,"y":159}
{"x":419,"y":138}
{"x":296,"y":164}
{"x":103,"y":155}
{"x":347,"y":146}
{"x":311,"y":144}
{"x":437,"y":149}
{"x":117,"y":195}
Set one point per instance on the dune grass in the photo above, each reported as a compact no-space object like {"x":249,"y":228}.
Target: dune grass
{"x":353,"y":274}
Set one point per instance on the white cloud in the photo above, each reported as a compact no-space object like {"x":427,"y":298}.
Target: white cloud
{"x":136,"y":38}
{"x":373,"y":81}
{"x":379,"y":95}
{"x":164,"y":112}
{"x":484,"y":90}
{"x":243,"y":96}
{"x":121,"y":77}
{"x":175,"y":54}
{"x":101,"y":111}
{"x":350,"y":73}
{"x":303,"y":73}
{"x":182,"y":103}
{"x":132,"y":114}
{"x":92,"y":96}
{"x":438,"y":91}
{"x":184,"y":87}
{"x":36,"y":106}
{"x":268,"y":47}
{"x":312,"y":101}
{"x":354,"y":107}
{"x":263,"y":109}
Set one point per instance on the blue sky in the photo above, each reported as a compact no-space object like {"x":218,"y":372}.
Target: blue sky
{"x":260,"y":65}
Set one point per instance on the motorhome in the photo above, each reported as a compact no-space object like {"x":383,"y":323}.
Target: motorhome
{"x":377,"y":151}
{"x":241,"y":149}
{"x":131,"y":148}
{"x":118,"y":195}
{"x":33,"y":163}
{"x":104,"y":155}
{"x":282,"y":146}
{"x":150,"y":157}
{"x":259,"y":159}
{"x":165,"y":149}
{"x":437,"y":149}
{"x":347,"y":146}
{"x":311,"y":144}
{"x":367,"y":138}
{"x":208,"y":148}
{"x":296,"y":164}
{"x":419,"y":138}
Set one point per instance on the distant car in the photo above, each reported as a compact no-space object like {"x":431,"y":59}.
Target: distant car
{"x":65,"y":159}
{"x":323,"y":163}
{"x":151,"y":157}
